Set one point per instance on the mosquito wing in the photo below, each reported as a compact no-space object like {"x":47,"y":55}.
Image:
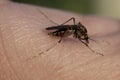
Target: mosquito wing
{"x":57,"y":27}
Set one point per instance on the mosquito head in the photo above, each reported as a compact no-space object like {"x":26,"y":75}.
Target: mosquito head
{"x":82,"y":27}
{"x":81,"y":32}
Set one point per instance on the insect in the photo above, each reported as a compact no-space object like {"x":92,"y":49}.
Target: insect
{"x":77,"y":30}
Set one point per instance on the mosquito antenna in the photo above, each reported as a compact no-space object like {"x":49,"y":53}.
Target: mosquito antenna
{"x":47,"y":17}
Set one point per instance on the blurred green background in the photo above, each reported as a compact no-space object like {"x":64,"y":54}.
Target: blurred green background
{"x":78,"y":6}
{"x":108,"y":8}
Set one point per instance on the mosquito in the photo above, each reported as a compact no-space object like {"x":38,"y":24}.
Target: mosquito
{"x":78,"y":31}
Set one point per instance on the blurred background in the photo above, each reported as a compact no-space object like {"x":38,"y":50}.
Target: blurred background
{"x":107,"y":8}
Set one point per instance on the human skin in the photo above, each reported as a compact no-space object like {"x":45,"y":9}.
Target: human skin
{"x":27,"y":52}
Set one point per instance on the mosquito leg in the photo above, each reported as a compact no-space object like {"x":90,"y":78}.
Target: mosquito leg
{"x":47,"y":17}
{"x":84,"y":42}
{"x":60,"y":40}
{"x":91,"y":48}
{"x":85,"y":39}
{"x":70,"y":20}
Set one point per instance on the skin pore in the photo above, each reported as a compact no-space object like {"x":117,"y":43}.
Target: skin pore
{"x":27,"y":52}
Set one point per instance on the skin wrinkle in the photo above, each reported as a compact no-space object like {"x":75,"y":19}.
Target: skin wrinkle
{"x":5,"y":54}
{"x":57,"y":65}
{"x":59,"y":68}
